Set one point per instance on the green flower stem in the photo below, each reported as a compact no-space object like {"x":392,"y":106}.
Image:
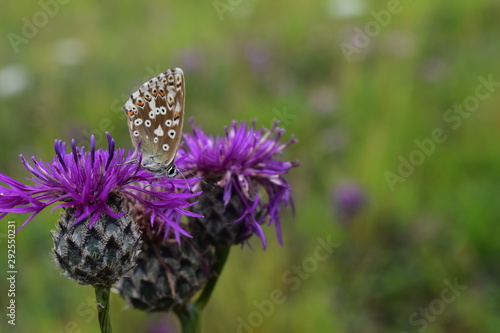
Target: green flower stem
{"x":190,"y":317}
{"x":102,"y":297}
{"x":190,"y":314}
{"x":221,"y":254}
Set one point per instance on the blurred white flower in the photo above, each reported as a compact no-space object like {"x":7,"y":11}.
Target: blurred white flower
{"x":69,"y":51}
{"x":346,"y":8}
{"x":14,"y":79}
{"x":400,"y":44}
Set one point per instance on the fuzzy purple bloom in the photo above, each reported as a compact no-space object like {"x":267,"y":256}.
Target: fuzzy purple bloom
{"x":348,"y":200}
{"x":84,"y":180}
{"x":242,"y":161}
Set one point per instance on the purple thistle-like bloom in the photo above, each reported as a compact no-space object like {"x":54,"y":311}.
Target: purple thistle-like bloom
{"x":84,"y":181}
{"x":241,"y":162}
{"x":348,"y":200}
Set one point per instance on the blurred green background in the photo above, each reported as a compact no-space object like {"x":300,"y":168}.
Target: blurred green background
{"x":359,"y":83}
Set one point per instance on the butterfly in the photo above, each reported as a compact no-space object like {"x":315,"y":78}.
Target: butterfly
{"x":155,"y":114}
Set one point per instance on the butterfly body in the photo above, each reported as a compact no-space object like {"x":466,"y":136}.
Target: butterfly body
{"x":155,"y":114}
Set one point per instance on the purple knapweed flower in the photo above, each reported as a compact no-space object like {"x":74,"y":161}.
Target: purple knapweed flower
{"x":83,"y":181}
{"x":240,"y":164}
{"x":348,"y":200}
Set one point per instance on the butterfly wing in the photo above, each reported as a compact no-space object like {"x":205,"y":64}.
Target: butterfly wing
{"x":155,"y":115}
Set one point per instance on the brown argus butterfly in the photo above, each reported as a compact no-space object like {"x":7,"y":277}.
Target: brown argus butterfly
{"x":155,"y":115}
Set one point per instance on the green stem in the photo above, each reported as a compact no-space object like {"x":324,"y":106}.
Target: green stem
{"x":102,"y":298}
{"x":221,"y":254}
{"x":190,"y":314}
{"x":190,"y":318}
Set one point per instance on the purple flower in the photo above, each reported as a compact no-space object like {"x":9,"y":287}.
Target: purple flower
{"x":257,"y":55}
{"x":348,"y":200}
{"x":162,"y":325}
{"x":190,"y":59}
{"x":241,"y":162}
{"x":84,"y":180}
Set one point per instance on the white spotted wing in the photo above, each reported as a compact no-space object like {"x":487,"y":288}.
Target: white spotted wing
{"x":155,"y":115}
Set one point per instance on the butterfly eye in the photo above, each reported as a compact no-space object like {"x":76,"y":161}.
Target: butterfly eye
{"x":172,"y":171}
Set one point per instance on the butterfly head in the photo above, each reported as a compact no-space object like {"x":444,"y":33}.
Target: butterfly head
{"x":160,"y":169}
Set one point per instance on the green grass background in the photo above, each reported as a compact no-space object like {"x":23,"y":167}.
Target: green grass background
{"x":353,"y":120}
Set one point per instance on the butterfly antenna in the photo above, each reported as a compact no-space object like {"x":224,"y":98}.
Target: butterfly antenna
{"x":187,"y":183}
{"x":135,"y":160}
{"x":192,"y":174}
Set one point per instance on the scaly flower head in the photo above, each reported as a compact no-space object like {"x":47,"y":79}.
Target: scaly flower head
{"x":241,"y":163}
